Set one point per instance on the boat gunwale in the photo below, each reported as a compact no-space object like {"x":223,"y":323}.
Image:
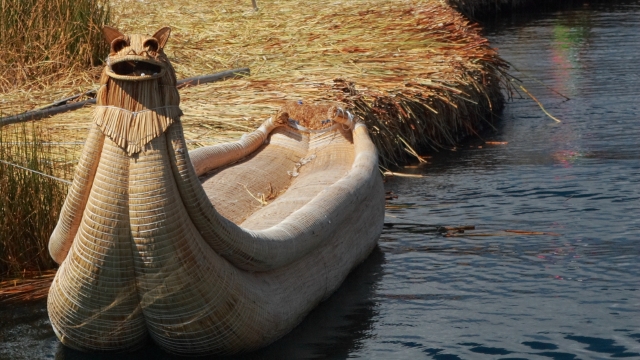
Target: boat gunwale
{"x":287,"y":232}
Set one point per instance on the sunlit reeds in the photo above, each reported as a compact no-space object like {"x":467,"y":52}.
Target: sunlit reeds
{"x":418,"y":72}
{"x":42,"y":41}
{"x":30,"y":201}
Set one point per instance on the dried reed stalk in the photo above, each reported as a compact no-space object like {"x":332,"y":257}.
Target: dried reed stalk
{"x":44,"y":40}
{"x":30,"y":286}
{"x":29,"y":202}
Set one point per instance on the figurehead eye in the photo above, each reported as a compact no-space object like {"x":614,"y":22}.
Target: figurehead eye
{"x":118,"y":44}
{"x":151,"y":45}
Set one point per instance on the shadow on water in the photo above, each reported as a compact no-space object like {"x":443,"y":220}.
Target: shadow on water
{"x":334,"y":329}
{"x":542,"y":9}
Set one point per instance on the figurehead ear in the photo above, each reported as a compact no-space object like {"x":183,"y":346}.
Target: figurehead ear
{"x":111,"y":33}
{"x":162,"y":36}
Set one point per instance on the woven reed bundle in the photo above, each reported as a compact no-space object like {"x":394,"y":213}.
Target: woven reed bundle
{"x":146,"y":250}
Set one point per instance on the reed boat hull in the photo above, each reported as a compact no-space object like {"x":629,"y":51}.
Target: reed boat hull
{"x":220,"y":250}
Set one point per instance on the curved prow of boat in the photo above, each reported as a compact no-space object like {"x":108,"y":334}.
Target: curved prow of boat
{"x":221,"y":250}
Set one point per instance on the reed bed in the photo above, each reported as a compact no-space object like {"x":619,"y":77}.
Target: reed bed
{"x":29,"y":202}
{"x":418,"y":72}
{"x":46,"y":41}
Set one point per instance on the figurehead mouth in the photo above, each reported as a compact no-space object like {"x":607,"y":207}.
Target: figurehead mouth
{"x":135,"y":68}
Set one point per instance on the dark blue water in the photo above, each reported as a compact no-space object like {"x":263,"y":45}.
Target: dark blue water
{"x":571,"y":295}
{"x":572,"y":292}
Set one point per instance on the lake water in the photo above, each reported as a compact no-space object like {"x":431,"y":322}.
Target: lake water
{"x":572,"y":292}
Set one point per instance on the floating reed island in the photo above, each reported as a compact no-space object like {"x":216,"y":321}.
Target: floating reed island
{"x":420,"y":74}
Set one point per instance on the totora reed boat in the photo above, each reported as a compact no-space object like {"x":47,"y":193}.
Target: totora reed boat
{"x":223,"y":249}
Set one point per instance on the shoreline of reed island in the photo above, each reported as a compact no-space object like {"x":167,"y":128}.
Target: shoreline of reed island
{"x":418,"y":72}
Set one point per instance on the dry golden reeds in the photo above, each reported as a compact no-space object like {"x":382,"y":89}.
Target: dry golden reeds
{"x":30,"y":201}
{"x":417,"y":71}
{"x":46,"y":40}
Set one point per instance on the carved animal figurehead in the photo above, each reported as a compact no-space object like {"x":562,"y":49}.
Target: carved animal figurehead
{"x":136,"y":57}
{"x":138,"y":99}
